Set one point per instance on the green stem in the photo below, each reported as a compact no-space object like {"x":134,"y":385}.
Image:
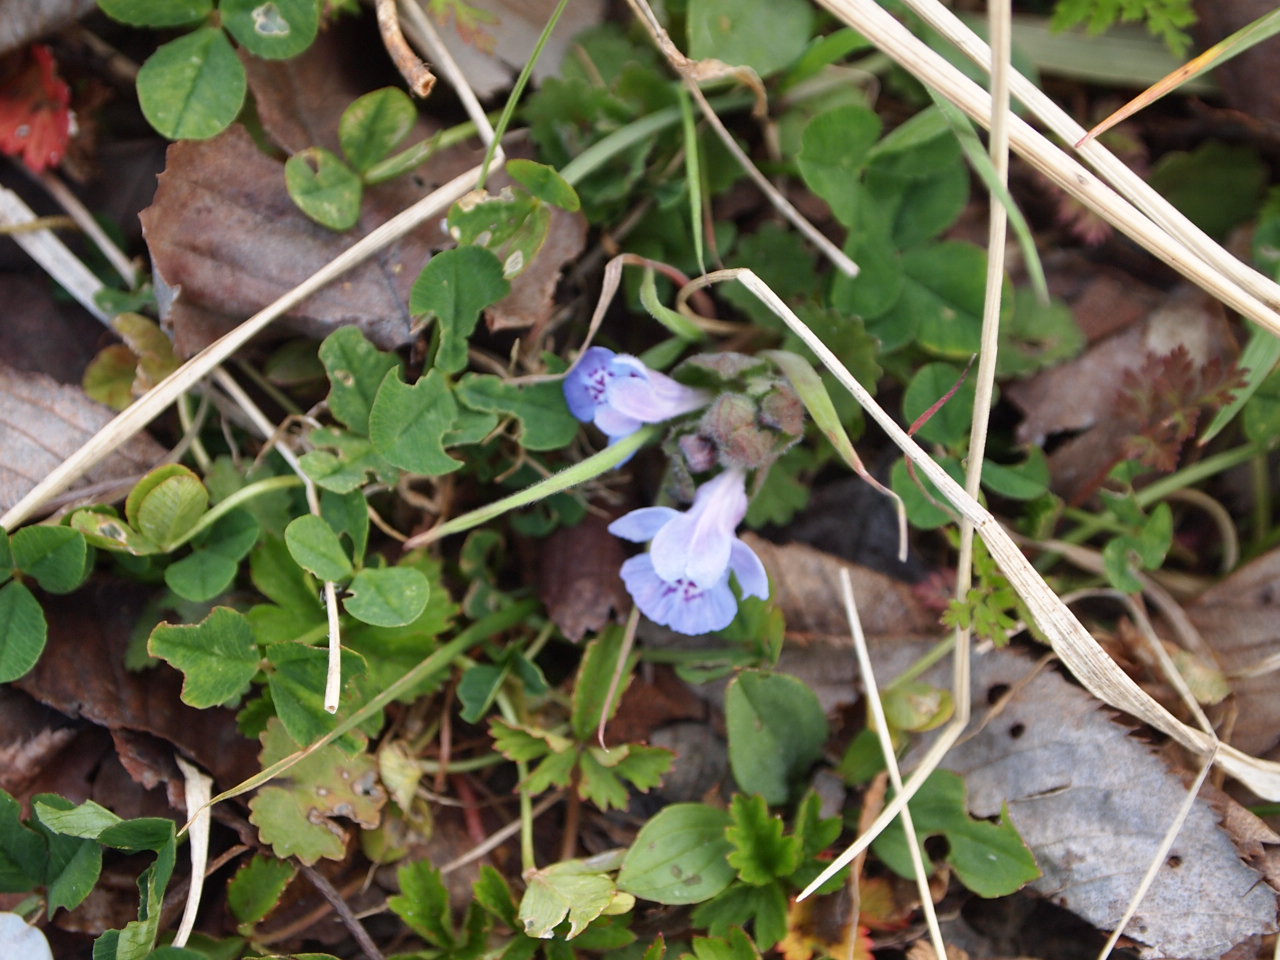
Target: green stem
{"x":528,"y":861}
{"x":923,"y":663}
{"x":463,"y":766}
{"x":243,"y":495}
{"x":517,"y":91}
{"x":414,"y":156}
{"x":592,"y":466}
{"x":436,"y":663}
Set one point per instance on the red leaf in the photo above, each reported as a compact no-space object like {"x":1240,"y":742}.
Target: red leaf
{"x":35,"y":119}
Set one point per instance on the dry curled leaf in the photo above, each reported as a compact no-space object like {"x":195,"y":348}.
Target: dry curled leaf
{"x":43,"y":422}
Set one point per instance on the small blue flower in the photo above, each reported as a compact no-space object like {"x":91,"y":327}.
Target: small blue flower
{"x":619,"y":393}
{"x":683,"y":581}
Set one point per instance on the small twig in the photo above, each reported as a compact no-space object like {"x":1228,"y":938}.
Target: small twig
{"x":416,"y":73}
{"x":501,"y":835}
{"x":340,"y":906}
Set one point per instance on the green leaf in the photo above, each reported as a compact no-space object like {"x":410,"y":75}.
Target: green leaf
{"x":297,"y":816}
{"x":356,"y":369}
{"x":324,"y":188}
{"x":55,"y":556}
{"x":949,"y":424}
{"x":454,"y":287}
{"x":102,"y":528}
{"x":218,"y":657}
{"x":679,"y":856}
{"x":316,"y":548}
{"x":423,"y":903}
{"x":765,"y":35}
{"x":1262,"y":411}
{"x":391,"y":597}
{"x":1217,"y":185}
{"x":478,"y":688}
{"x":23,"y":631}
{"x":761,"y":852}
{"x":924,"y":513}
{"x":545,"y":420}
{"x":511,"y":225}
{"x":6,"y":556}
{"x":201,"y":576}
{"x":833,"y":151}
{"x":1036,"y":336}
{"x":569,"y":889}
{"x":166,"y":504}
{"x":193,"y":87}
{"x":272,"y":29}
{"x":599,"y":661}
{"x":372,"y":126}
{"x":408,"y":423}
{"x":1257,"y":362}
{"x":1022,"y":481}
{"x":492,"y":893}
{"x":297,"y":680}
{"x":988,"y":858}
{"x":765,"y":907}
{"x":348,"y":514}
{"x":777,"y":730}
{"x":72,"y":864}
{"x":257,"y":887}
{"x":737,"y":946}
{"x":87,"y":820}
{"x":22,"y":851}
{"x":156,"y":13}
{"x":544,"y":183}
{"x":517,"y":742}
{"x":345,"y":471}
{"x":276,"y":575}
{"x":942,"y":298}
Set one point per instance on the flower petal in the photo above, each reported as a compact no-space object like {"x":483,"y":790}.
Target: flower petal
{"x":750,"y":572}
{"x":654,"y":397}
{"x":585,"y":386}
{"x":682,"y":606}
{"x":640,"y":526}
{"x":696,"y":546}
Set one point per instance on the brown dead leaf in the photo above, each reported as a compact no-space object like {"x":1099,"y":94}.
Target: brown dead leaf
{"x":224,"y":234}
{"x":43,"y":422}
{"x":31,"y":736}
{"x":1087,"y":399}
{"x":41,"y":335}
{"x":1240,"y":619}
{"x":1091,"y":801}
{"x":577,"y":570}
{"x":82,"y":674}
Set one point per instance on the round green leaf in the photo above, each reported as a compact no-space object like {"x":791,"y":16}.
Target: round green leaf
{"x":218,"y":657}
{"x":544,"y":183}
{"x":833,"y":150}
{"x":765,"y":35}
{"x":156,"y":13}
{"x":106,"y":531}
{"x":324,"y":188}
{"x":1262,"y":411}
{"x":777,"y":729}
{"x":273,"y":29}
{"x":193,"y":87}
{"x":201,"y":576}
{"x":372,"y":126}
{"x":949,"y":423}
{"x":23,"y":631}
{"x":315,"y":547}
{"x":679,"y":856}
{"x":408,"y":423}
{"x":167,"y":503}
{"x":55,"y":556}
{"x":387,"y":598}
{"x":1021,"y":481}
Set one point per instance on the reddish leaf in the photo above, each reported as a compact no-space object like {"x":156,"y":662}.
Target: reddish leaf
{"x":35,"y":119}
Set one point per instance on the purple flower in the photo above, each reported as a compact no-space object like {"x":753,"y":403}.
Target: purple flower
{"x":683,"y":581}
{"x":619,"y":393}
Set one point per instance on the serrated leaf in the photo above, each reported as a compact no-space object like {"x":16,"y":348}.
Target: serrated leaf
{"x":372,"y":126}
{"x":761,"y":852}
{"x":356,"y":369}
{"x":272,"y":29}
{"x":192,"y":87}
{"x":324,"y":188}
{"x":391,"y":597}
{"x":777,"y":730}
{"x":454,"y":287}
{"x":679,"y":856}
{"x":408,"y":423}
{"x":544,"y":182}
{"x":299,"y":819}
{"x":218,"y":657}
{"x":568,"y":889}
{"x":316,"y":548}
{"x":517,"y":742}
{"x":599,"y":661}
{"x":258,"y":886}
{"x":545,"y":420}
{"x":23,"y":631}
{"x":737,"y":946}
{"x":55,"y":556}
{"x":555,"y":770}
{"x":492,"y":892}
{"x":156,"y":13}
{"x":423,"y":903}
{"x":297,"y":681}
{"x":763,"y":907}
